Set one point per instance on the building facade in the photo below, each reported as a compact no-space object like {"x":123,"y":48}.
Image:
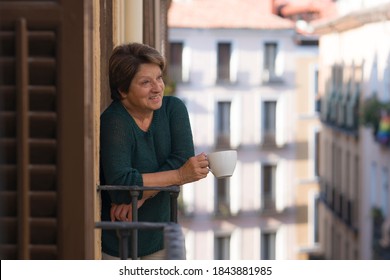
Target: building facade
{"x":355,"y":159}
{"x":250,"y":84}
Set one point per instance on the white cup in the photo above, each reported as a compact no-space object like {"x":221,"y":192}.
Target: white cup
{"x":222,"y":163}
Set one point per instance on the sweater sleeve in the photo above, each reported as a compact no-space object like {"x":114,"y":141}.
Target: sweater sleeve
{"x":115,"y":155}
{"x":182,"y":146}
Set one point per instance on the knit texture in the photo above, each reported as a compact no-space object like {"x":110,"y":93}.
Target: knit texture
{"x":126,"y":152}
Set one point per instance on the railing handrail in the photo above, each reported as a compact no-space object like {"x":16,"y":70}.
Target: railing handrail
{"x":126,"y":229}
{"x":138,"y":188}
{"x":129,"y":225}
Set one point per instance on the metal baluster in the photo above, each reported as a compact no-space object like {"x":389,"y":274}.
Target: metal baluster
{"x":134,"y":233}
{"x":174,"y":195}
{"x":123,"y":243}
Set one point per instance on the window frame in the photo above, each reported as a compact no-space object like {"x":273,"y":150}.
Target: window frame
{"x":223,"y":124}
{"x":224,"y":252}
{"x":268,"y":202}
{"x":224,"y":58}
{"x":264,"y":253}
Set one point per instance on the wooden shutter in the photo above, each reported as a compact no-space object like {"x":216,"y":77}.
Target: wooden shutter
{"x":28,"y":140}
{"x":46,"y":114}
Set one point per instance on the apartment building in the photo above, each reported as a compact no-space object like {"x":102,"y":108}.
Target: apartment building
{"x":250,"y":84}
{"x":355,"y":159}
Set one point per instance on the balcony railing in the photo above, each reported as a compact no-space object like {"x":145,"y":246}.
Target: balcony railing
{"x":340,"y":111}
{"x":128,"y":231}
{"x":339,"y":205}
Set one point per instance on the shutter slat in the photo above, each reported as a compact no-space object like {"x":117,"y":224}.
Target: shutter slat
{"x":43,"y":204}
{"x":22,"y":139}
{"x":43,"y":238}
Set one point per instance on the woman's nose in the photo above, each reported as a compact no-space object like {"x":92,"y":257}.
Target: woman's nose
{"x":158,"y":85}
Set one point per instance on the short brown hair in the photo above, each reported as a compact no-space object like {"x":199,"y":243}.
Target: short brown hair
{"x":124,"y":64}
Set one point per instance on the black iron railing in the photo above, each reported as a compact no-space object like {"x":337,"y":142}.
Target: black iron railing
{"x":128,"y":231}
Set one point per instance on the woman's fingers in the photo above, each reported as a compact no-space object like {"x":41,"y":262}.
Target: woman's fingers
{"x":202,"y":157}
{"x":117,"y":212}
{"x":122,"y":212}
{"x":195,"y":168}
{"x":112,"y":212}
{"x":203,"y":163}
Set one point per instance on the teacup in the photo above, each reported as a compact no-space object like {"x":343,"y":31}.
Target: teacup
{"x":222,"y":163}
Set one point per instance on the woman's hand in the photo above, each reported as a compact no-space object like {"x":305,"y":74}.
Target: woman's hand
{"x":123,"y":212}
{"x":194,"y":169}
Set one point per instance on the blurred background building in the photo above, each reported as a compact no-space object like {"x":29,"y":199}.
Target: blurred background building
{"x":285,"y":83}
{"x":248,"y":72}
{"x":299,"y":88}
{"x":355,"y":153}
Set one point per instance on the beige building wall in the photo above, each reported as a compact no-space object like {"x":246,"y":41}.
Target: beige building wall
{"x":307,"y":124}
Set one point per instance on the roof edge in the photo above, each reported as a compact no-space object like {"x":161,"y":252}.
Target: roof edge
{"x":354,"y":20}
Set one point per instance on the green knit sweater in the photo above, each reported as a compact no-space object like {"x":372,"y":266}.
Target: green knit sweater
{"x":126,"y":152}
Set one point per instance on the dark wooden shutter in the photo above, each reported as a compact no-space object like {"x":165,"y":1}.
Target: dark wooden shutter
{"x":28,"y":140}
{"x":46,"y":120}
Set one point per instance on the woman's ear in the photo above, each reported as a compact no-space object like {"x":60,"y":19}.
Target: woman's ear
{"x":122,"y":94}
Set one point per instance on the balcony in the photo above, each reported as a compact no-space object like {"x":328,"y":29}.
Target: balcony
{"x":269,"y":140}
{"x":269,"y":77}
{"x":376,"y":114}
{"x":340,"y":111}
{"x":128,"y":231}
{"x":342,"y":208}
{"x":380,"y":242}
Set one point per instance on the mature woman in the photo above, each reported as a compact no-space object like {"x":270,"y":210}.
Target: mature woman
{"x":146,"y":140}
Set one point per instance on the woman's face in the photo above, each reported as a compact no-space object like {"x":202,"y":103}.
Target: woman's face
{"x":146,"y":90}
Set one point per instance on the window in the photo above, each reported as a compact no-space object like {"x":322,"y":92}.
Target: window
{"x":269,"y":186}
{"x":336,"y":243}
{"x":223,"y":62}
{"x":270,"y":52}
{"x":373,"y":184}
{"x":176,"y":61}
{"x":346,"y":207}
{"x":268,"y":244}
{"x":386,"y":83}
{"x":356,"y":192}
{"x":317,"y":154}
{"x":223,"y":124}
{"x":317,"y":104}
{"x":222,"y":247}
{"x":337,"y":77}
{"x":269,"y":122}
{"x":346,"y":253}
{"x":316,"y":230}
{"x":222,"y":196}
{"x":385,"y":192}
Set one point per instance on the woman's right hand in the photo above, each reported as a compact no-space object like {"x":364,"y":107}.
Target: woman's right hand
{"x":123,"y":212}
{"x":195,"y":168}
